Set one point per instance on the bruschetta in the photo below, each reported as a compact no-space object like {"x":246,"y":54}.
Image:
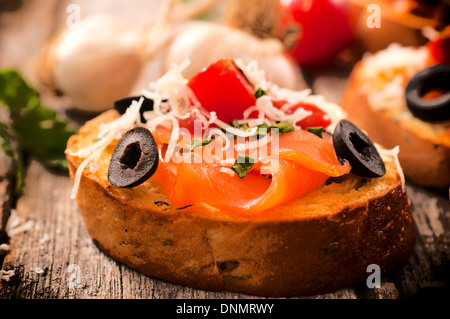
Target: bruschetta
{"x":400,"y":96}
{"x":225,"y":181}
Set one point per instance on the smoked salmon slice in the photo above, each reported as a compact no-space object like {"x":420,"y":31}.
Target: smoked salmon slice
{"x":301,"y":162}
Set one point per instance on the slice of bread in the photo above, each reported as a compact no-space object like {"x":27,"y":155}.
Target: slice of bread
{"x":424,"y":147}
{"x":313,"y":244}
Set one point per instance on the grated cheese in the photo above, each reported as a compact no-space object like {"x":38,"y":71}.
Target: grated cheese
{"x":260,"y":79}
{"x":173,"y":101}
{"x":394,"y":57}
{"x":394,"y":153}
{"x":108,"y":133}
{"x":254,"y":144}
{"x":228,"y":171}
{"x":385,"y":72}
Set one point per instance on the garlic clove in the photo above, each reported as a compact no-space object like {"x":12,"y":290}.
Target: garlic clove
{"x":96,"y":62}
{"x":204,"y":42}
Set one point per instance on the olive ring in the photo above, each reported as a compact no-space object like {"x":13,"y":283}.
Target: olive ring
{"x":435,"y":109}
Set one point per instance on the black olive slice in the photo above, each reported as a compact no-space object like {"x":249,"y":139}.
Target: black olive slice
{"x":353,"y":145}
{"x":436,"y":77}
{"x":122,"y":105}
{"x":134,"y":160}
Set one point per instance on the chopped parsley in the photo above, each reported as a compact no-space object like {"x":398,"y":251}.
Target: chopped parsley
{"x":243,"y":165}
{"x":316,"y":131}
{"x":263,"y":129}
{"x":259,"y":92}
{"x":198,"y":142}
{"x":283,"y":127}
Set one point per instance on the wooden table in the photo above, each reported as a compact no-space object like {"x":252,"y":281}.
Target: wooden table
{"x":55,"y":248}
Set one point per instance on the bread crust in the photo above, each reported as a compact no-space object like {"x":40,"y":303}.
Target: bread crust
{"x":313,"y":244}
{"x":425,"y":161}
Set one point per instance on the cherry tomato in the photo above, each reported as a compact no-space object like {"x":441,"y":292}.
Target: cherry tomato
{"x":188,"y":123}
{"x":325,"y":30}
{"x":223,"y":88}
{"x":440,"y":48}
{"x":316,"y":119}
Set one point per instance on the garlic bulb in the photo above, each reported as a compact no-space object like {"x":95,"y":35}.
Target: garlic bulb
{"x":95,"y":63}
{"x":204,"y":42}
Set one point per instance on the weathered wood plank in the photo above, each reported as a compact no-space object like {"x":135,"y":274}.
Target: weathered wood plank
{"x":6,"y":195}
{"x":428,"y":269}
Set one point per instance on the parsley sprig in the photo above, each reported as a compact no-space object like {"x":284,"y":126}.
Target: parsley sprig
{"x":33,"y":129}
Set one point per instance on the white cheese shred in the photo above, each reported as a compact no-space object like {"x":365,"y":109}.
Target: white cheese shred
{"x":108,"y":133}
{"x":228,"y":171}
{"x":394,"y":153}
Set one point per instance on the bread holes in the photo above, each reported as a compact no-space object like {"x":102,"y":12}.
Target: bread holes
{"x":228,"y":265}
{"x":161,"y":203}
{"x":168,"y":242}
{"x":333,"y":246}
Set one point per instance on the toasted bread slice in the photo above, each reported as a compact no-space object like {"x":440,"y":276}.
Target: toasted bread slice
{"x":313,"y":244}
{"x":424,"y":147}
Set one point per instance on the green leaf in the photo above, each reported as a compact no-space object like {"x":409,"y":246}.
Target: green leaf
{"x":198,"y":142}
{"x":262,"y":130}
{"x":283,"y":127}
{"x":6,"y":143}
{"x":316,"y":131}
{"x":259,"y":92}
{"x":243,"y":165}
{"x":15,"y":93}
{"x":37,"y":128}
{"x":235,"y":123}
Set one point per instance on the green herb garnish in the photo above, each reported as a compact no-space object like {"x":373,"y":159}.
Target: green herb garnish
{"x":243,"y":165}
{"x":235,"y":123}
{"x":198,"y":142}
{"x":34,"y":129}
{"x":316,"y":131}
{"x":283,"y":127}
{"x":259,"y":92}
{"x":262,"y":129}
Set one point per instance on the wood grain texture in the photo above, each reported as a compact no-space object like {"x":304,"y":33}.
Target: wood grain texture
{"x":56,"y":258}
{"x":6,"y":194}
